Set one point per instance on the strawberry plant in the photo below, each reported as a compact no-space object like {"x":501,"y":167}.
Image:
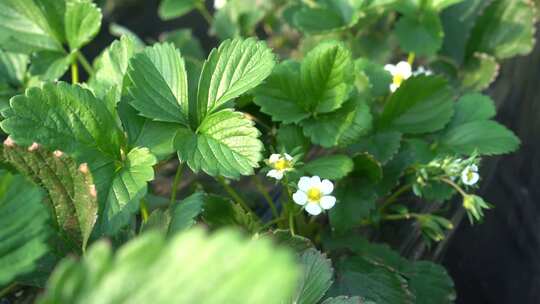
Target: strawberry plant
{"x":286,"y":166}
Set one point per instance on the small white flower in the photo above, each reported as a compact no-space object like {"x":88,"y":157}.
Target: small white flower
{"x":470,"y":176}
{"x":400,"y":72}
{"x":219,"y":4}
{"x":314,"y":194}
{"x":422,"y":71}
{"x":280,"y":163}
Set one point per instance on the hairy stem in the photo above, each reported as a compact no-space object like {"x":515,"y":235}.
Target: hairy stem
{"x":176,"y":182}
{"x":85,"y":64}
{"x":392,"y":198}
{"x":144,"y":211}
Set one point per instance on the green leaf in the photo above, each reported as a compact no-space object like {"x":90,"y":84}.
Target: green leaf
{"x":233,"y":280}
{"x":13,"y":68}
{"x":25,"y":229}
{"x":82,"y":22}
{"x":183,"y":214}
{"x":485,"y":137}
{"x":226,"y":144}
{"x":290,"y":137}
{"x":65,"y":117}
{"x":421,"y":104}
{"x":333,"y":167}
{"x":110,"y":68}
{"x":355,"y":202}
{"x":379,"y":78}
{"x":170,"y":9}
{"x":188,"y":44}
{"x":159,"y":84}
{"x":284,"y":237}
{"x":327,"y":76}
{"x":382,"y":145}
{"x":344,"y":300}
{"x":316,"y":277}
{"x":231,"y":70}
{"x":479,"y":72}
{"x":342,"y":127}
{"x":50,"y":65}
{"x":472,"y":107}
{"x":31,"y":25}
{"x":367,"y":167}
{"x":328,"y":15}
{"x":126,"y":187}
{"x":430,"y":283}
{"x":220,"y":212}
{"x":281,"y":95}
{"x":70,"y":188}
{"x":422,"y":34}
{"x":505,"y":29}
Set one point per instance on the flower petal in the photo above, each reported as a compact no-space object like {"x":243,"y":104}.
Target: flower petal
{"x":313,"y":209}
{"x":274,"y":158}
{"x":277,"y":174}
{"x":315,"y":182}
{"x":390,"y":68}
{"x":304,"y":183}
{"x":327,"y":187}
{"x":300,"y":197}
{"x":404,"y":69}
{"x":473,"y":168}
{"x":327,"y":201}
{"x":393,"y":87}
{"x":288,"y":157}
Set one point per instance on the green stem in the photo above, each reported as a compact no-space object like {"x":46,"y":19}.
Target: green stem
{"x":269,"y":224}
{"x":205,"y":13}
{"x":454,"y":185}
{"x":85,"y":64}
{"x":144,"y":211}
{"x":394,"y":196}
{"x":8,"y":289}
{"x":291,"y":221}
{"x":260,"y":187}
{"x":235,"y":196}
{"x":74,"y":73}
{"x":411,"y":57}
{"x":176,"y":182}
{"x":399,"y":217}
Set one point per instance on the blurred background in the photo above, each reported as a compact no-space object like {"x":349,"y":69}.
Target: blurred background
{"x":497,"y":261}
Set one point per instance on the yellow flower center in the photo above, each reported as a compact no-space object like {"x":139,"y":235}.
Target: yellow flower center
{"x":282,"y":164}
{"x":398,"y":79}
{"x":470,"y":175}
{"x":314,"y":194}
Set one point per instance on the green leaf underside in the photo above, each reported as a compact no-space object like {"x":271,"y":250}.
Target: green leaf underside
{"x":231,"y":70}
{"x":65,"y":117}
{"x":230,"y":266}
{"x":24,"y":221}
{"x":316,"y":277}
{"x":124,"y":189}
{"x":226,"y":143}
{"x":159,"y":86}
{"x":71,"y":191}
{"x":333,"y":167}
{"x":82,"y":23}
{"x":421,"y":104}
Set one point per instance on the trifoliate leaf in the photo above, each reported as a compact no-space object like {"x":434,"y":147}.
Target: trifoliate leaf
{"x":493,"y":34}
{"x":341,"y":127}
{"x":183,"y":213}
{"x":328,"y":15}
{"x":485,"y":137}
{"x":316,"y":277}
{"x":25,"y":228}
{"x":82,"y":22}
{"x":65,"y":117}
{"x":479,"y":72}
{"x":281,"y":95}
{"x":421,"y":104}
{"x":226,"y":261}
{"x":170,"y":9}
{"x":123,"y":192}
{"x":110,"y":68}
{"x":32,"y":25}
{"x":158,"y":84}
{"x":226,"y":143}
{"x":327,"y":76}
{"x":382,"y":145}
{"x":332,"y":167}
{"x":421,"y":34}
{"x":234,"y":68}
{"x":70,"y":187}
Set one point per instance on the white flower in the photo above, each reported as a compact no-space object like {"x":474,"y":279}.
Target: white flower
{"x":314,"y":194}
{"x":470,"y":176}
{"x":422,"y":71}
{"x":400,"y":72}
{"x":219,"y":4}
{"x":280,"y":164}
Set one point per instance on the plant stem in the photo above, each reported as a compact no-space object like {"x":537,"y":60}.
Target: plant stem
{"x":205,"y":13}
{"x":411,"y":57}
{"x":395,"y":195}
{"x":454,"y":185}
{"x":398,"y":217}
{"x":85,"y":64}
{"x":291,"y":221}
{"x":176,"y":182}
{"x":7,"y":290}
{"x":144,"y":211}
{"x":74,"y":73}
{"x":260,"y":187}
{"x":269,"y":224}
{"x":235,"y":196}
